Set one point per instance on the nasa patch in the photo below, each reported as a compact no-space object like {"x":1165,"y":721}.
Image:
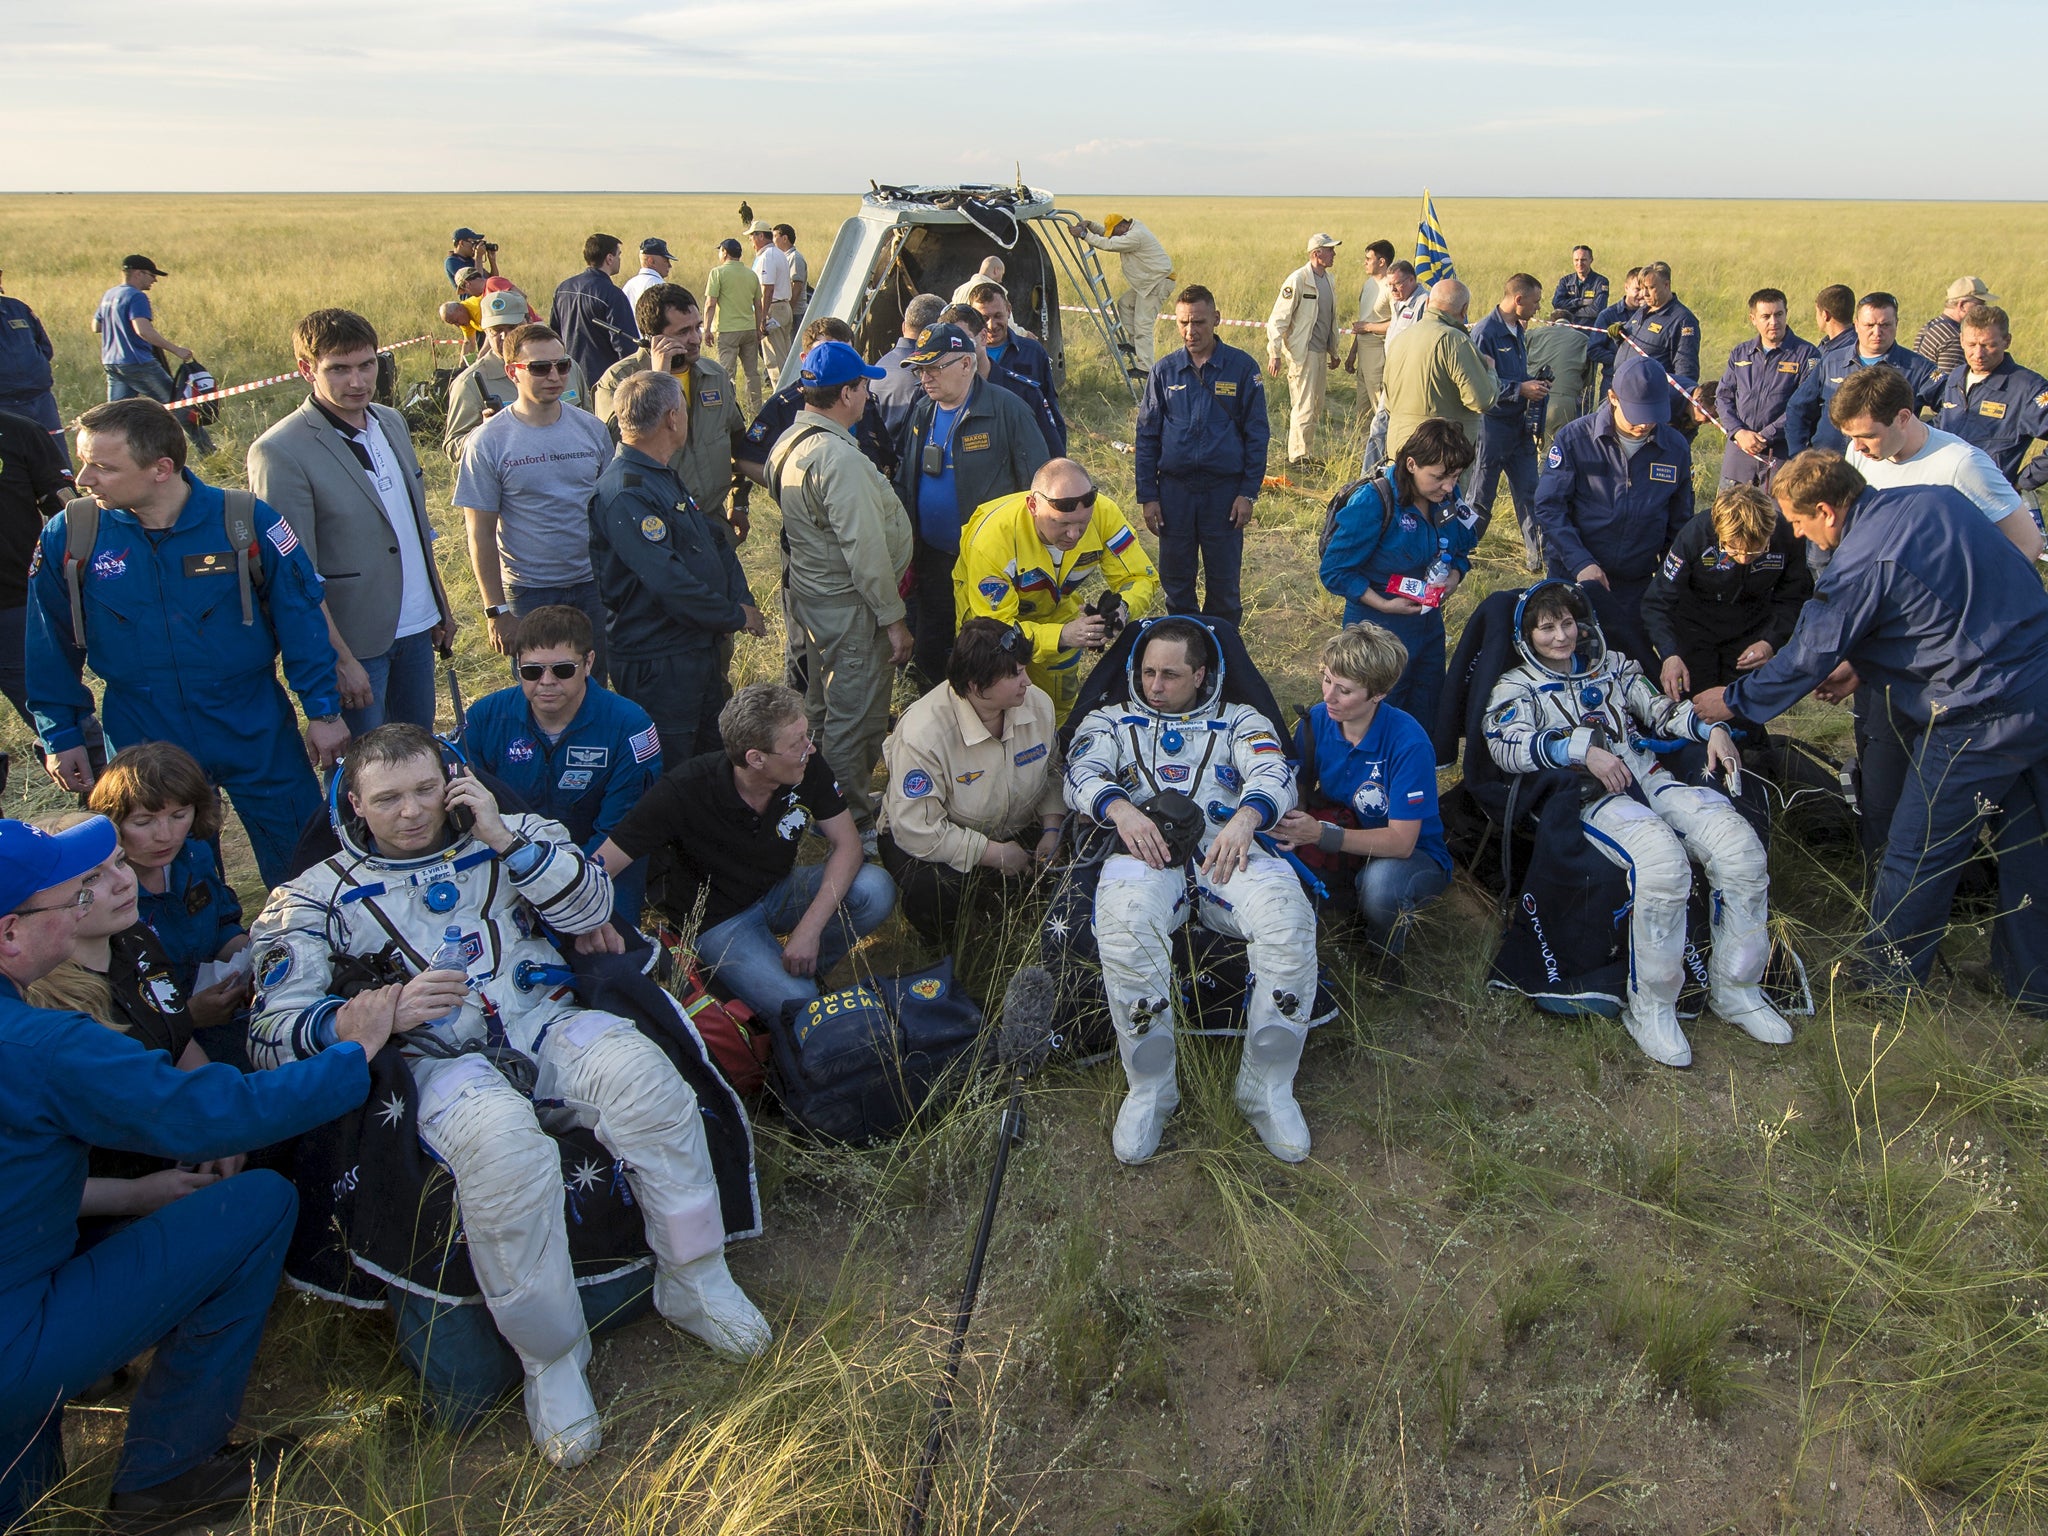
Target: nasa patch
{"x":916,"y":784}
{"x":1556,"y":456}
{"x":1029,"y":755}
{"x":994,"y":588}
{"x":275,"y":965}
{"x":520,"y":751}
{"x":110,"y":563}
{"x":575,"y":778}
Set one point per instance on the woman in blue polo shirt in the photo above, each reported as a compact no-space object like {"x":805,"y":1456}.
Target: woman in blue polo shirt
{"x":1398,"y":549}
{"x":1360,"y":754}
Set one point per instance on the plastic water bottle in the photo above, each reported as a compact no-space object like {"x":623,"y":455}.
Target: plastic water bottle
{"x":1439,"y":576}
{"x":449,"y":957}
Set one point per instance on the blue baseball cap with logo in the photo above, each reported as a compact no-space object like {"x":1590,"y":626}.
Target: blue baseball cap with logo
{"x":33,"y":860}
{"x":832,"y":363}
{"x":1644,"y":390}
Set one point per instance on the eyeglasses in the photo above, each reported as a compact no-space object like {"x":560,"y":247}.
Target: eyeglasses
{"x":534,"y":671}
{"x":933,"y":370}
{"x":545,"y":366}
{"x":82,"y":900}
{"x":1071,"y":503}
{"x":802,"y":749}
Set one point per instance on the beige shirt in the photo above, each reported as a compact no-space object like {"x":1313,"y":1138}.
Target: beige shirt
{"x":849,"y":537}
{"x":704,"y":463}
{"x":1146,"y":264}
{"x":953,"y":787}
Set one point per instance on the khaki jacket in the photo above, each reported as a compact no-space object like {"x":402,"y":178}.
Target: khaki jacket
{"x":704,"y":463}
{"x":1434,"y":370}
{"x":1293,"y":320}
{"x":849,"y":537}
{"x":953,"y":787}
{"x":1146,"y":264}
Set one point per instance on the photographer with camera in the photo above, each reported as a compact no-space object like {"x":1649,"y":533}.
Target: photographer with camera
{"x":1026,"y":558}
{"x":467,"y":248}
{"x":1505,"y":447}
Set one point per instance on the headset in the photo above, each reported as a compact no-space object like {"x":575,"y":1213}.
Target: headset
{"x":350,"y":828}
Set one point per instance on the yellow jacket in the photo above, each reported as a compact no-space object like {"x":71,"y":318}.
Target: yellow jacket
{"x":1005,"y":571}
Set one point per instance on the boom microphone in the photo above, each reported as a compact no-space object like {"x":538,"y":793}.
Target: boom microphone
{"x":1025,"y":1037}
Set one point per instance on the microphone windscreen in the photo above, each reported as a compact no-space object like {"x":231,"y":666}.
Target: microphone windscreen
{"x":1029,"y":1005}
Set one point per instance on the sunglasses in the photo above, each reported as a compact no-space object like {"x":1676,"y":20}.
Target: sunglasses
{"x":560,"y":365}
{"x":534,"y":671}
{"x":1071,"y":503}
{"x":1014,"y":642}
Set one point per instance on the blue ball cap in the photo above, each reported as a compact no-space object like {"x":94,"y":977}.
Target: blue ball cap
{"x":832,"y":363}
{"x":464,"y":233}
{"x":1644,"y":390}
{"x":33,"y":860}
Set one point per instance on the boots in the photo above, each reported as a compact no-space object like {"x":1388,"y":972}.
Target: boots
{"x":1265,"y":1088}
{"x":702,"y":1298}
{"x":1653,"y":1022}
{"x":1147,"y":1051}
{"x":1742,"y":947}
{"x":559,"y":1408}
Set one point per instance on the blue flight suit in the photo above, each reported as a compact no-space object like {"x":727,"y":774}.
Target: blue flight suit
{"x":672,"y":590}
{"x":587,"y":778}
{"x":1924,"y":598}
{"x":1671,"y":335}
{"x":1505,"y":447}
{"x":1050,"y":427}
{"x":1360,"y":558}
{"x":164,"y":630}
{"x":1026,"y":357}
{"x":2003,"y":415}
{"x":197,"y":912}
{"x":1756,"y":386}
{"x":1806,"y":413}
{"x":596,"y":324}
{"x":27,"y":387}
{"x":1581,"y":297}
{"x":195,"y":1279}
{"x":1602,"y":348}
{"x":1599,"y":507}
{"x":1201,"y":443}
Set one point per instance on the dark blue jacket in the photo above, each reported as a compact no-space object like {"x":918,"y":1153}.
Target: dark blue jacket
{"x":780,"y":410}
{"x":1050,"y":427}
{"x":587,"y":779}
{"x":1584,"y":296}
{"x":1026,"y":357}
{"x":1599,"y":507}
{"x":1758,"y":384}
{"x":668,"y":581}
{"x":1806,"y":413}
{"x":1502,"y":344}
{"x":25,"y":350}
{"x":1601,"y":348}
{"x":1208,"y":422}
{"x":1671,"y":335}
{"x":197,"y":913}
{"x":2003,"y":415}
{"x":1358,"y":560}
{"x":898,"y":394}
{"x":1923,"y":598}
{"x":596,"y":324}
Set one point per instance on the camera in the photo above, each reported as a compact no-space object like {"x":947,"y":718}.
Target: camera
{"x":487,"y":245}
{"x":1545,"y":375}
{"x":934,"y":460}
{"x":1108,"y":607}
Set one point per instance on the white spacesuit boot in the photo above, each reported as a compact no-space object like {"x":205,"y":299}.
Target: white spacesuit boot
{"x":1146,"y":1045}
{"x":1660,"y":879}
{"x":1742,"y":947}
{"x":1136,"y":911}
{"x":1265,"y":1080}
{"x":647,"y":1117}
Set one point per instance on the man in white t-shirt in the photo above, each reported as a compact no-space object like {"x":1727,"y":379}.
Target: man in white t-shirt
{"x":655,"y":262}
{"x":1890,"y":446}
{"x":771,"y":265}
{"x":799,"y":275}
{"x":341,"y":471}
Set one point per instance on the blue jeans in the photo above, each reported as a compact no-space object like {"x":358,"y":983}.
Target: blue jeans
{"x":401,"y":686}
{"x":1390,"y":889}
{"x":745,"y":953}
{"x":579,"y":594}
{"x":148,"y":381}
{"x":1505,"y":449}
{"x":196,"y":1280}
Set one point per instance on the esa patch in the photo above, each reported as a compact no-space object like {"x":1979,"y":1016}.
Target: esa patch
{"x":1174,"y":773}
{"x":590,"y":757}
{"x":520,"y":751}
{"x":575,"y":779}
{"x":927,"y":988}
{"x":916,"y":784}
{"x":994,"y":588}
{"x":1667,"y":473}
{"x":275,"y":965}
{"x":653,"y":528}
{"x":1029,"y":755}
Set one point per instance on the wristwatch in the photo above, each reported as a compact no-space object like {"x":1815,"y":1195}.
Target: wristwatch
{"x":497,"y":610}
{"x":333,"y":719}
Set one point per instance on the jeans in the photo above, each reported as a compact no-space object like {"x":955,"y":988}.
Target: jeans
{"x":1195,"y":518}
{"x":745,"y":951}
{"x":148,"y":381}
{"x":401,"y":686}
{"x":1389,"y":890}
{"x":195,"y":1280}
{"x":579,"y":594}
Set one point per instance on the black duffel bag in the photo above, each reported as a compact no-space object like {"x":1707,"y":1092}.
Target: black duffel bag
{"x":857,"y":1065}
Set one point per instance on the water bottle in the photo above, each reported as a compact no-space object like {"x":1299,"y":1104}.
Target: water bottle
{"x":1439,"y":576}
{"x":449,"y":957}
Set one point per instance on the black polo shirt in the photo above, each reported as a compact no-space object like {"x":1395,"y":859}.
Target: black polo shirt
{"x":695,"y":815}
{"x":32,"y":477}
{"x":149,"y":1006}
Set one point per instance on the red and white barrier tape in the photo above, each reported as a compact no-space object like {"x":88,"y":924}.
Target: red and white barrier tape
{"x":289,"y":378}
{"x":1692,"y":398}
{"x":1255,"y":325}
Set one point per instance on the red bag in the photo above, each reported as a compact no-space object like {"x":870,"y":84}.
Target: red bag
{"x":1333,"y":866}
{"x":739,"y":1050}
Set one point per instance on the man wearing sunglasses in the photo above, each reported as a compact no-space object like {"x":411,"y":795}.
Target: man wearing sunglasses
{"x":1031,"y":560}
{"x":524,"y":493}
{"x":574,"y":752}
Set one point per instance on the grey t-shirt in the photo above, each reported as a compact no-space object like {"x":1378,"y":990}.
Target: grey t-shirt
{"x":539,"y":480}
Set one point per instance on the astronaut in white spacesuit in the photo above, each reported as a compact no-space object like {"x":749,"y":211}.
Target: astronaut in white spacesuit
{"x":1174,"y":743}
{"x":405,"y":876}
{"x":1572,"y":704}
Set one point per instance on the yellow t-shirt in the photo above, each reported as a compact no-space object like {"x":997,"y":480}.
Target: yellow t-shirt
{"x":473,"y":326}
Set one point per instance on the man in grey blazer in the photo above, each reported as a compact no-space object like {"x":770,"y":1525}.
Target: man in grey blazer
{"x":342,"y":473}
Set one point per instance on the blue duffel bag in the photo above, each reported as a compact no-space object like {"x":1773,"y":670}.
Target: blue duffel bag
{"x":858,"y":1065}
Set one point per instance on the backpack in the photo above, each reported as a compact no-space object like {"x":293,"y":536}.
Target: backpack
{"x":82,"y":531}
{"x":193,"y":379}
{"x":1344,"y":498}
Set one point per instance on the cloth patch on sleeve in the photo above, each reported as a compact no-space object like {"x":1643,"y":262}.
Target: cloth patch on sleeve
{"x":282,"y":536}
{"x":645,"y":745}
{"x":917,"y":784}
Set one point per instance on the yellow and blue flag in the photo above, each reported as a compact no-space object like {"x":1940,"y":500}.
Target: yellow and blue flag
{"x":1432,"y":253}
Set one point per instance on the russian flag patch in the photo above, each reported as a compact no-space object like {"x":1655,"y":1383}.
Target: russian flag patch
{"x":1414,"y":795}
{"x":282,"y":536}
{"x":647,"y":744}
{"x":1121,"y":539}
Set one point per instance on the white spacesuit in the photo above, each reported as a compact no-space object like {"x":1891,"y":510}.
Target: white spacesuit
{"x":1222,"y":757}
{"x":596,"y":1070}
{"x":1543,"y":715}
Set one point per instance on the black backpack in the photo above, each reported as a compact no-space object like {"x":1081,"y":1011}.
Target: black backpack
{"x":1344,"y":498}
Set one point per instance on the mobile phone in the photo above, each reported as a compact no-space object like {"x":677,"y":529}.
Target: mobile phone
{"x":460,"y":817}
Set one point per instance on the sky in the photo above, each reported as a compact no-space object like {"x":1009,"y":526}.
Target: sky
{"x":1803,"y":98}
